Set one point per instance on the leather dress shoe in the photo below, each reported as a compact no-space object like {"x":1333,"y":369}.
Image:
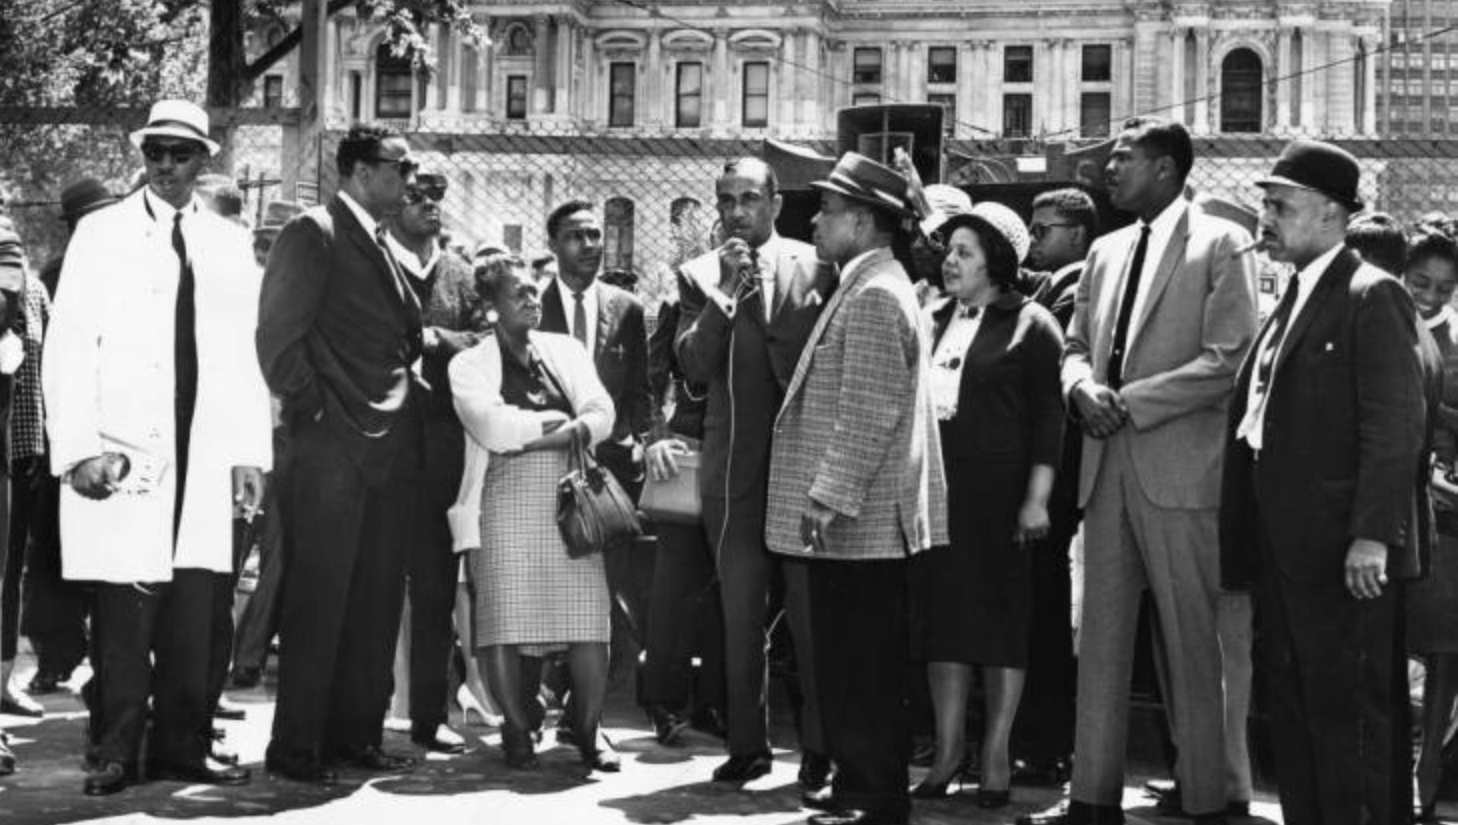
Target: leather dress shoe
{"x":247,"y":676}
{"x":856,"y":818}
{"x":437,"y":738}
{"x":46,"y":681}
{"x":20,"y":704}
{"x":1076,"y":813}
{"x":7,"y":756}
{"x":1046,"y":773}
{"x":668,"y":725}
{"x":744,"y":767}
{"x":204,"y":772}
{"x":108,"y":778}
{"x":1167,"y":800}
{"x":601,"y":756}
{"x":374,"y":758}
{"x":814,"y":771}
{"x":300,"y":766}
{"x":566,"y":734}
{"x":819,"y":800}
{"x":228,"y":710}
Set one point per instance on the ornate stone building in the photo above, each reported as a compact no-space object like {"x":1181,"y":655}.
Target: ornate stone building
{"x":1058,"y":69}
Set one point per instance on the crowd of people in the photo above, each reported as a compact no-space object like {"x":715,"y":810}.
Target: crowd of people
{"x":926,"y":439}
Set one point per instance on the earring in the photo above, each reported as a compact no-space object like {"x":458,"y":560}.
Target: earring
{"x":491,"y":316}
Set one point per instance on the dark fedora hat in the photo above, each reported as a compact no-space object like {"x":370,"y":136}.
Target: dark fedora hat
{"x":84,"y":197}
{"x":859,"y":178}
{"x":1318,"y":167}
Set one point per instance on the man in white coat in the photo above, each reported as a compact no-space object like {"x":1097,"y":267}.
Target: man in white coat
{"x":159,"y":428}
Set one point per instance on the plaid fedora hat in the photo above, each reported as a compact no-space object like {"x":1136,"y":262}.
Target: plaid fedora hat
{"x":178,"y":119}
{"x":859,"y":178}
{"x":1318,"y":167}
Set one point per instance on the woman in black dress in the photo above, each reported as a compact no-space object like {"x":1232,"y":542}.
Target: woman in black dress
{"x":995,"y":386}
{"x":1431,"y":274}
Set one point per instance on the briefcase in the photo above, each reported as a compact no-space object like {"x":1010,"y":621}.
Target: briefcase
{"x":675,"y":500}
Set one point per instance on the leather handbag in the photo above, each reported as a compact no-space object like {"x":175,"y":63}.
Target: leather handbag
{"x":593,"y":511}
{"x":676,"y":499}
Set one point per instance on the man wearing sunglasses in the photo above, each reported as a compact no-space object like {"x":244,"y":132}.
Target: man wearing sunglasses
{"x":339,"y":328}
{"x":159,"y":425}
{"x":453,"y":321}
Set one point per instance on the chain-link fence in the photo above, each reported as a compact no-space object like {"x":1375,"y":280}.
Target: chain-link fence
{"x":654,"y":195}
{"x":48,"y":149}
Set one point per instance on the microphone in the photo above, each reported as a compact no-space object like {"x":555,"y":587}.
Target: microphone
{"x":750,"y":277}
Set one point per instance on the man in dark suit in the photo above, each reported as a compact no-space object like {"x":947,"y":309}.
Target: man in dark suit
{"x":338,"y":330}
{"x":453,"y":322}
{"x":746,"y":314}
{"x":1323,"y":435}
{"x":609,"y":323}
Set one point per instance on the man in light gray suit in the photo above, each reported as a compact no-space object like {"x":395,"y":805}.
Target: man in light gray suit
{"x":856,"y":485}
{"x":1164,"y":314}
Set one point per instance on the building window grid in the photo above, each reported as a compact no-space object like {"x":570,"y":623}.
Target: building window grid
{"x":1017,"y":115}
{"x":866,"y":66}
{"x":622,"y":85}
{"x":688,"y":110}
{"x":754,"y":103}
{"x":1017,"y":64}
{"x":941,"y":64}
{"x":394,"y":84}
{"x":516,"y":97}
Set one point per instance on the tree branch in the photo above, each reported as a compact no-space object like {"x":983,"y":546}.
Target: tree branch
{"x":287,"y":44}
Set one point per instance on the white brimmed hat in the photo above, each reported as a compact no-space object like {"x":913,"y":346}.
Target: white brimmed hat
{"x":179,"y":119}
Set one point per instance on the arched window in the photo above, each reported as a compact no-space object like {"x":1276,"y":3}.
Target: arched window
{"x":689,"y":225}
{"x":518,"y":41}
{"x":618,"y":233}
{"x":1240,"y":92}
{"x":394,"y":84}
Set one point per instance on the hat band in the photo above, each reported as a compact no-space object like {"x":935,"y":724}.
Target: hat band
{"x":158,"y":124}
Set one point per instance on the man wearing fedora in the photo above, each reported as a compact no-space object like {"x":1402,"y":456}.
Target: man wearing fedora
{"x":856,"y":487}
{"x":158,"y":424}
{"x":1165,"y":310}
{"x":1324,"y":432}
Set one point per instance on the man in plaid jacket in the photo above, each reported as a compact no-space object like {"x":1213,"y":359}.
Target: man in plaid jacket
{"x":856,"y":485}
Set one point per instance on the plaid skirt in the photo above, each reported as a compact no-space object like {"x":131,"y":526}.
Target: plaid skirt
{"x":529,"y":592}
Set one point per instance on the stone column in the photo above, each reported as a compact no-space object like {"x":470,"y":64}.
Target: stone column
{"x":456,"y":48}
{"x":651,"y":82}
{"x":784,"y":74}
{"x":968,"y":79}
{"x":566,"y":44}
{"x":719,"y":85}
{"x":980,"y":89}
{"x":1121,"y":73}
{"x":1369,"y":88}
{"x":1203,"y":87}
{"x":1144,"y":80}
{"x":809,"y":88}
{"x":1283,"y":69}
{"x":1340,"y":105}
{"x":541,"y":66}
{"x":1048,"y":110}
{"x":587,"y":107}
{"x":1311,"y":81}
{"x":1176,"y":65}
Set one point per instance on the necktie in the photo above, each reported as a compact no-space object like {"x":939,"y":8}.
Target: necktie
{"x":579,"y":319}
{"x":1126,"y":308}
{"x":184,"y":365}
{"x":1266,"y":363}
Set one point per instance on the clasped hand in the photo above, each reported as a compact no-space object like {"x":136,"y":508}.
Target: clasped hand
{"x":735,"y":257}
{"x":1102,"y":408}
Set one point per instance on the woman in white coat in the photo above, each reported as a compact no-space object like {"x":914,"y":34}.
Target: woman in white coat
{"x":524,"y":395}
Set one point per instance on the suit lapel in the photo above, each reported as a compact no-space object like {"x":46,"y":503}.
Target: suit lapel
{"x":1110,"y":288}
{"x":356,"y":233}
{"x":1174,"y":252}
{"x":1336,"y":275}
{"x":785,"y":270}
{"x":607,"y":315}
{"x":871,"y":263}
{"x":553,"y":319}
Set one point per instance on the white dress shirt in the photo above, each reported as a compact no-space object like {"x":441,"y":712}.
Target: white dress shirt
{"x":1161,"y":229}
{"x":765,"y":255}
{"x":1252,"y":425}
{"x":589,"y":306}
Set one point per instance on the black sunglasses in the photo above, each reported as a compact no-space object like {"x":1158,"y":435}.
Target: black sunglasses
{"x":407,"y":165}
{"x":434,"y":192}
{"x":180,"y":152}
